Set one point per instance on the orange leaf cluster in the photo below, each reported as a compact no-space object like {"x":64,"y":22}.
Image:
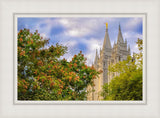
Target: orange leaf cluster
{"x":59,"y":80}
{"x":76,"y":78}
{"x":40,"y":63}
{"x":23,"y":80}
{"x":35,"y":72}
{"x":38,"y":78}
{"x":22,"y":53}
{"x":61,"y":86}
{"x":20,"y":39}
{"x":31,"y":41}
{"x":24,"y":86}
{"x":51,"y":84}
{"x":70,"y":65}
{"x":49,"y":71}
{"x":75,"y":56}
{"x":75,"y":65}
{"x":70,"y":78}
{"x":59,"y":92}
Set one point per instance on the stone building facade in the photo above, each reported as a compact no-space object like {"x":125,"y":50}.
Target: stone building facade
{"x":108,"y":55}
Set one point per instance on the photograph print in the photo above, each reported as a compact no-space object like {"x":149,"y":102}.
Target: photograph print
{"x":79,"y":58}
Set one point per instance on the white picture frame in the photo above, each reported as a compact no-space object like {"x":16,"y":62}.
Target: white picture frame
{"x":150,"y":107}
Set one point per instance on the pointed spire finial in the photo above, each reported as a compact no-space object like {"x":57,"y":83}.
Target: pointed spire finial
{"x":119,"y":27}
{"x":96,"y":58}
{"x":106,"y":43}
{"x":128,"y":47}
{"x":106,"y":25}
{"x":120,"y":37}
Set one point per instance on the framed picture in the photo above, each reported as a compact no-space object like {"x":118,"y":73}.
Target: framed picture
{"x":63,"y":69}
{"x":78,"y":61}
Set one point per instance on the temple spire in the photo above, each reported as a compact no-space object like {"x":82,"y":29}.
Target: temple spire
{"x":129,"y":51}
{"x":119,"y":27}
{"x":120,"y":37}
{"x":126,"y":41}
{"x":96,"y":57}
{"x":96,"y":53}
{"x":106,"y":43}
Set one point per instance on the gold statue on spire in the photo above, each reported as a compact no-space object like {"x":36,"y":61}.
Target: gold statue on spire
{"x":106,"y":25}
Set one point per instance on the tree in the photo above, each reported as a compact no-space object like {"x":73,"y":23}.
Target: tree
{"x":128,"y":85}
{"x":42,"y":75}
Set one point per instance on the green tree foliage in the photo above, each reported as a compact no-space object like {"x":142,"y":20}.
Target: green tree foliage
{"x":42,"y":75}
{"x":128,"y":85}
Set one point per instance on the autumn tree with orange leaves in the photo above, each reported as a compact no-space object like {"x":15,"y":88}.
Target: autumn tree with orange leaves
{"x":42,"y":75}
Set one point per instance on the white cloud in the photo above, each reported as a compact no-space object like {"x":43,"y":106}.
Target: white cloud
{"x":131,"y":24}
{"x":132,"y":39}
{"x":79,"y":27}
{"x":132,"y":36}
{"x":49,"y":24}
{"x":134,"y":49}
{"x":64,"y":21}
{"x":44,"y":35}
{"x":91,"y":44}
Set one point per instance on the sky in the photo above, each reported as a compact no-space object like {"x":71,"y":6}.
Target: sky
{"x":84,"y":34}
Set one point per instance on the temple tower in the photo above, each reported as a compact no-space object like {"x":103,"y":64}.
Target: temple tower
{"x":108,"y":55}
